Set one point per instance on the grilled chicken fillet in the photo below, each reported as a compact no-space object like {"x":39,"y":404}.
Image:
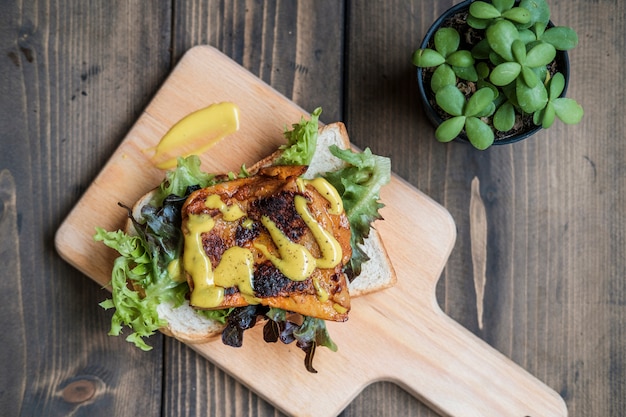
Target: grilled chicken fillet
{"x":271,"y":239}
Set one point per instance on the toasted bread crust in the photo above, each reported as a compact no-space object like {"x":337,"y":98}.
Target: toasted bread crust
{"x":185,"y":324}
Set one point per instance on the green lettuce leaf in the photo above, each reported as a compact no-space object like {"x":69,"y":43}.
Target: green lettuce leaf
{"x":359,"y":186}
{"x":132,"y":310}
{"x":187,"y":173}
{"x":144,"y":258}
{"x":301,"y":141}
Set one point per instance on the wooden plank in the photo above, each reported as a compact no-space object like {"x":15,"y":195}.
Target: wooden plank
{"x":554,"y":204}
{"x":419,"y":347}
{"x":74,"y":78}
{"x":297,"y":48}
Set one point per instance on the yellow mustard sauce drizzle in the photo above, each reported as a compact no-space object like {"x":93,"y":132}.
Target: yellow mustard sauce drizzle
{"x":326,"y":190}
{"x":197,"y":264}
{"x":295,"y":261}
{"x":339,"y":308}
{"x":322,"y":294}
{"x":329,"y":247}
{"x":230,"y":213}
{"x":196,"y":133}
{"x":175,"y":271}
{"x":236,"y":268}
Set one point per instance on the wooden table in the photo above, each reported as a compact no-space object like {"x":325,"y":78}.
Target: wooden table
{"x":75,"y":77}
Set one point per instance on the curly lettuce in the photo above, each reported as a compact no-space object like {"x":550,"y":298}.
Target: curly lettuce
{"x":144,"y":258}
{"x":301,"y":141}
{"x":359,"y":186}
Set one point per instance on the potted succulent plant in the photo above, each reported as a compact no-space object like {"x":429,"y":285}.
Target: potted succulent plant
{"x":495,"y":72}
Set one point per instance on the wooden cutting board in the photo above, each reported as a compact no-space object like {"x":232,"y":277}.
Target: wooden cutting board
{"x":400,"y":334}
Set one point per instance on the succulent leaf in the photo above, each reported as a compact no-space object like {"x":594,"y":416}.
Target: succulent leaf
{"x":517,"y":15}
{"x":501,"y":36}
{"x":450,"y":129}
{"x":479,"y":133}
{"x":539,"y":11}
{"x":477,"y":23}
{"x":529,"y":77}
{"x":505,"y":73}
{"x":460,"y":59}
{"x":451,"y":100}
{"x":540,"y":55}
{"x":519,"y":51}
{"x":482,"y":70}
{"x":483,"y":10}
{"x":557,"y":85}
{"x":481,"y":50}
{"x":530,"y":99}
{"x":503,"y":5}
{"x":479,"y":102}
{"x":466,"y":73}
{"x":504,"y":118}
{"x":568,"y":110}
{"x":425,"y":58}
{"x":561,"y":37}
{"x":447,"y":41}
{"x":442,"y":76}
{"x":548,"y":115}
{"x":527,"y":36}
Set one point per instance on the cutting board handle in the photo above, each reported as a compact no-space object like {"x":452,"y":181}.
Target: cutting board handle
{"x":458,"y":374}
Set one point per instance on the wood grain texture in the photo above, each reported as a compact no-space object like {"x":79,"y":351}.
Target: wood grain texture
{"x":296,"y":47}
{"x":420,"y":349}
{"x":555,"y":296}
{"x":554,"y":203}
{"x":74,"y":79}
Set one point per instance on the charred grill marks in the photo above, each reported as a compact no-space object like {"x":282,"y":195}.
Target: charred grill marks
{"x":281,"y":210}
{"x":270,"y":282}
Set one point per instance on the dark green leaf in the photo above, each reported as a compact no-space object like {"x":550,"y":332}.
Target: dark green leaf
{"x":529,"y":77}
{"x":527,"y":36}
{"x":426,"y":58}
{"x":547,"y":116}
{"x":483,"y":10}
{"x":479,"y":133}
{"x":477,"y":23}
{"x":501,"y":36}
{"x":466,"y":73}
{"x":568,"y":110}
{"x":557,"y":84}
{"x":504,"y":118}
{"x":519,"y":51}
{"x":442,"y":76}
{"x":482,"y":70}
{"x":561,"y":37}
{"x":451,"y":100}
{"x":503,"y":5}
{"x":517,"y":15}
{"x":478,"y":102}
{"x":481,"y":50}
{"x":540,"y":55}
{"x":460,"y":59}
{"x":530,"y":99}
{"x":447,"y":41}
{"x":539,"y":10}
{"x":505,"y":73}
{"x":450,"y":129}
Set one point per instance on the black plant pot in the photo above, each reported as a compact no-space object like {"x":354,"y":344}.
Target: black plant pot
{"x":428,"y":97}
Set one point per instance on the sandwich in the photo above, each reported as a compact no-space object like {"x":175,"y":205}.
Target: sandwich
{"x":286,"y":242}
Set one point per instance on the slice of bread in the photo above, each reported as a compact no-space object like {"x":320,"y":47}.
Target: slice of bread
{"x":185,"y":324}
